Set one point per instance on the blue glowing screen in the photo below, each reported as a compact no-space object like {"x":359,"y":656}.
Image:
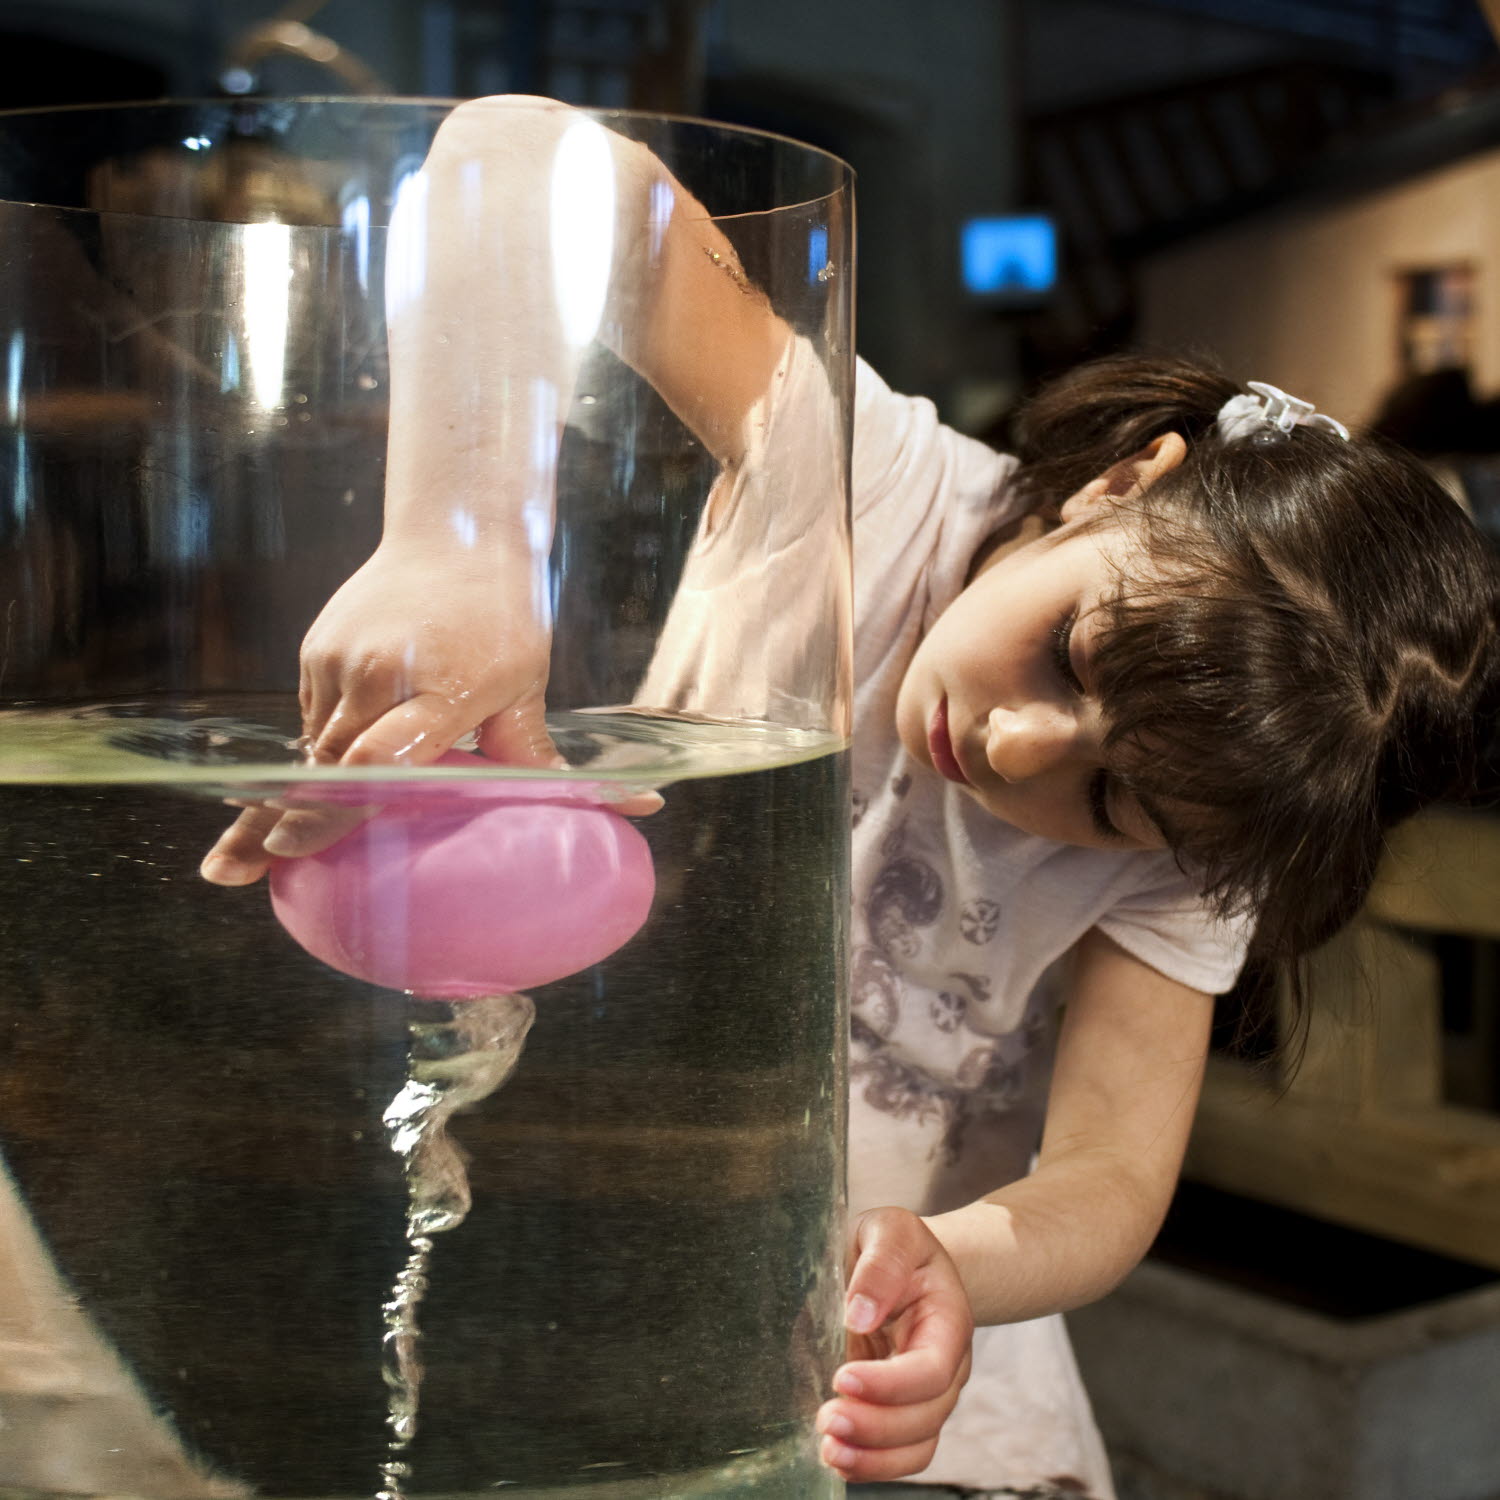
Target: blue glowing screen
{"x":817,"y":253}
{"x":1017,"y":253}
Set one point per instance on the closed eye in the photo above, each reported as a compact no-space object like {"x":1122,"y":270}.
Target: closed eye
{"x":1062,"y":654}
{"x":1098,"y":788}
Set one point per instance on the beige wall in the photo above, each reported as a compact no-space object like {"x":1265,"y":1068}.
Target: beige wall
{"x":1307,"y":300}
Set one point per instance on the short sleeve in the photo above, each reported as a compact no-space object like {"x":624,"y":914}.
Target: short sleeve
{"x":1167,"y":924}
{"x":918,"y":488}
{"x":765,"y":586}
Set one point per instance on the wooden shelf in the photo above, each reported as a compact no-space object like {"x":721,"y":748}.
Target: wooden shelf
{"x":1361,"y":1134}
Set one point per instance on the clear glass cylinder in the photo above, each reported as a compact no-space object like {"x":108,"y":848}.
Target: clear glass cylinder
{"x":300,"y":1225}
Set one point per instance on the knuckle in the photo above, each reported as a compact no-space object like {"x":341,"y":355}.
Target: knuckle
{"x":881,"y":1263}
{"x":370,"y":669}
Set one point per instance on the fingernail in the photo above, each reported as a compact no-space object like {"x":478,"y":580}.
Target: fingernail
{"x":861,"y":1314}
{"x":296,"y":833}
{"x":836,"y":1455}
{"x":848,"y":1384}
{"x":837,"y":1425}
{"x":219,"y":869}
{"x":281,"y":841}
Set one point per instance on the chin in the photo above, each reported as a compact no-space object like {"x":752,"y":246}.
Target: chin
{"x":1021,"y":825}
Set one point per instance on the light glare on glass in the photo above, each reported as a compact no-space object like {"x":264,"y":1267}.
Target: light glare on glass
{"x":267,"y":250}
{"x":583,"y":228}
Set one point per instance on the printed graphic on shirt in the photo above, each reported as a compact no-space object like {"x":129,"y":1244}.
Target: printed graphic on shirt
{"x":979,"y":921}
{"x":902,"y":920}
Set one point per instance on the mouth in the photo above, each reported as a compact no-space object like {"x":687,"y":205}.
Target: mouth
{"x":940,"y":747}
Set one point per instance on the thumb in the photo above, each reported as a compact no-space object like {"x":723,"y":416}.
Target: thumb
{"x":517,"y":735}
{"x":889,"y":1245}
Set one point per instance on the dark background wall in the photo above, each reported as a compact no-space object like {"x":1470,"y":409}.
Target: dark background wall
{"x":946,"y":109}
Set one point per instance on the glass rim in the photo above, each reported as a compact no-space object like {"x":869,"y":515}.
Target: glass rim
{"x":428,"y":101}
{"x":842,"y":174}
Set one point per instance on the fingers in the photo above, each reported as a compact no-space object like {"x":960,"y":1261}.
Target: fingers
{"x":640,"y":805}
{"x":889,"y":1429}
{"x":372,"y":724}
{"x":415,"y":732}
{"x":872,"y":1438}
{"x":310,"y":830}
{"x":863,"y":1465}
{"x":318,"y":696}
{"x":892,"y":1250}
{"x":267,"y":831}
{"x":906,"y":1301}
{"x":239,"y":856}
{"x":517,"y":735}
{"x":933,"y":1342}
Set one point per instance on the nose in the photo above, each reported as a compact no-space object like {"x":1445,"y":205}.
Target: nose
{"x":1026,"y":742}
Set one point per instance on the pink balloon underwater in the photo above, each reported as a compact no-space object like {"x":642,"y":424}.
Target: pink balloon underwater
{"x":452,"y":897}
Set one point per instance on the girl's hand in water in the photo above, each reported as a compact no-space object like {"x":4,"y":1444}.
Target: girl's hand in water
{"x":909,"y":1351}
{"x":415,"y":650}
{"x":408,"y":656}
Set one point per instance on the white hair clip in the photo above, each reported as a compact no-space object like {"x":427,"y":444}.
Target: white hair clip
{"x":1271,"y":410}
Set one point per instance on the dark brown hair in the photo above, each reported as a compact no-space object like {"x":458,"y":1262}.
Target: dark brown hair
{"x":1324,"y":662}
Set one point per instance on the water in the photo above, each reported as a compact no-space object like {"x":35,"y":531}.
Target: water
{"x":454,"y":1063}
{"x":202,"y":1254}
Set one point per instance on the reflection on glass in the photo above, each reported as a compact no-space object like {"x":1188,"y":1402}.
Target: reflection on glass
{"x":267,"y":250}
{"x":583,"y":228}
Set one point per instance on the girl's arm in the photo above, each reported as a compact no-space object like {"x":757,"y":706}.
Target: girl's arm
{"x":531,"y":231}
{"x":1125,"y":1085}
{"x":527,"y":224}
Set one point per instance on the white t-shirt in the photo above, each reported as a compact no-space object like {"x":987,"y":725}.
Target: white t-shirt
{"x":957,"y":917}
{"x":957,"y":920}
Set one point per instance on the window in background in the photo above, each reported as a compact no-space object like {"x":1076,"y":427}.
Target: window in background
{"x":1469,"y":976}
{"x":1436,"y":318}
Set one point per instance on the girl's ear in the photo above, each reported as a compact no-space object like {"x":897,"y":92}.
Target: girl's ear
{"x":1130,"y":477}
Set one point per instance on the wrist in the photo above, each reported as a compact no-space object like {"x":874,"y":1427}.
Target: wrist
{"x":980,"y":1239}
{"x":427,"y":531}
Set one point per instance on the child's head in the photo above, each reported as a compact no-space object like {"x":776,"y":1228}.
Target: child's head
{"x":1321,"y":661}
{"x":1000,"y":695}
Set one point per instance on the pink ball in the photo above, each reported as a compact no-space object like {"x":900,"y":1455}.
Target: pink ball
{"x":452,"y":899}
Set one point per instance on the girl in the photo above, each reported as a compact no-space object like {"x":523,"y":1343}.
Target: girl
{"x":1143,"y":696}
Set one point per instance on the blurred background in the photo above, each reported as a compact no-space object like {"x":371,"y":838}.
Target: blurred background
{"x":1308,"y":190}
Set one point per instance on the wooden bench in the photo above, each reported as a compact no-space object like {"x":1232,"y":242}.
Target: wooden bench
{"x":1362,"y":1134}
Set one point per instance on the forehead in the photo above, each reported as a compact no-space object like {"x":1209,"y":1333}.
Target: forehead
{"x":1108,"y":550}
